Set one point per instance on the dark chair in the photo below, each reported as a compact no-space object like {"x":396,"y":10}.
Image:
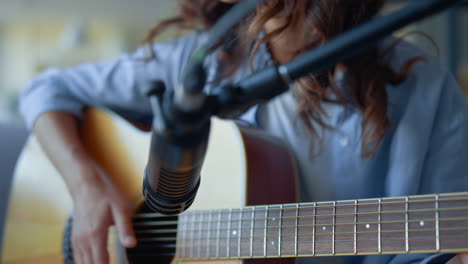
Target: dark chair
{"x":12,"y":138}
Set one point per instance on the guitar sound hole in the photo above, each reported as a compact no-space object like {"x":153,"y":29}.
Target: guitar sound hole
{"x":156,"y":235}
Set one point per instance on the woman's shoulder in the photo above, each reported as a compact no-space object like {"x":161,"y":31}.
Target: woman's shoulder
{"x":399,"y":52}
{"x":429,"y":88}
{"x":426,"y":75}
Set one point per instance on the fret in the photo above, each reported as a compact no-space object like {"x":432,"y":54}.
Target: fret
{"x":240,"y":233}
{"x":305,"y":229}
{"x":265,"y":233}
{"x":224,"y":233}
{"x":208,"y":246}
{"x":393,"y":225}
{"x":314,"y":223}
{"x":200,"y":231}
{"x":182,"y":230}
{"x":218,"y":233}
{"x":355,"y":226}
{"x":252,"y":232}
{"x":344,"y":222}
{"x":234,"y":233}
{"x":280,"y":221}
{"x":213,"y":236}
{"x":406,"y":226}
{"x":229,"y":233}
{"x":421,"y":229}
{"x":437,"y":232}
{"x":273,"y":231}
{"x":246,"y":232}
{"x":367,"y":238}
{"x":323,"y":235}
{"x":180,"y":237}
{"x":259,"y":236}
{"x":295,"y":231}
{"x":453,"y":215}
{"x":192,"y":235}
{"x":380,"y":225}
{"x":204,"y":234}
{"x":333,"y":228}
{"x":288,"y":224}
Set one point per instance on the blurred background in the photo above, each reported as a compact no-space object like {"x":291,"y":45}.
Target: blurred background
{"x":35,"y":34}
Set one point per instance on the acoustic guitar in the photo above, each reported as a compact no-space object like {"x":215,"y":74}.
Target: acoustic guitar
{"x":244,"y":168}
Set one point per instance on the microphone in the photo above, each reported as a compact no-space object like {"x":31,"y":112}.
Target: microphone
{"x":181,"y":128}
{"x":178,"y":147}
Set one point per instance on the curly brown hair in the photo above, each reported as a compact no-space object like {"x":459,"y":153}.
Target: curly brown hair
{"x":310,"y":23}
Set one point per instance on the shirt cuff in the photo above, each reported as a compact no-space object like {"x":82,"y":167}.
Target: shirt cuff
{"x":32,"y":107}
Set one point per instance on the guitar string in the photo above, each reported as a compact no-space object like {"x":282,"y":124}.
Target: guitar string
{"x":337,"y":224}
{"x":306,"y":205}
{"x":322,"y":242}
{"x":356,"y":223}
{"x":302,"y":243}
{"x":223,"y":240}
{"x":260,"y":252}
{"x":323,"y":233}
{"x":286,"y":243}
{"x":147,"y":243}
{"x":158,"y":231}
{"x":160,"y":223}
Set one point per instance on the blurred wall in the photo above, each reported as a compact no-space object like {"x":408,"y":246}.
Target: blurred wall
{"x":38,"y":34}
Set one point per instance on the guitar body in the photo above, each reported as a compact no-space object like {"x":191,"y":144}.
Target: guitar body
{"x":40,"y":205}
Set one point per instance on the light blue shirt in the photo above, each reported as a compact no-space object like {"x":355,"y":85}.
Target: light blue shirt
{"x":425,"y":151}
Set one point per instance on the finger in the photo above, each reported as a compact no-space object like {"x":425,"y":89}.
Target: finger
{"x":99,"y":248}
{"x":122,"y":220}
{"x":463,"y":257}
{"x":77,"y":250}
{"x":85,"y":254}
{"x":77,"y":255}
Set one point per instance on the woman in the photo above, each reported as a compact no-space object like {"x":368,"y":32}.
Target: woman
{"x":388,"y":122}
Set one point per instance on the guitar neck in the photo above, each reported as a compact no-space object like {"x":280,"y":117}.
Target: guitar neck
{"x":413,"y":224}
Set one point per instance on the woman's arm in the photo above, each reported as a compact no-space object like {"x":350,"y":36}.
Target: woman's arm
{"x":97,"y":202}
{"x":51,"y":105}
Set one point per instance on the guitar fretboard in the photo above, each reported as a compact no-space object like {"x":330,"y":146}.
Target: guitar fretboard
{"x":427,"y":223}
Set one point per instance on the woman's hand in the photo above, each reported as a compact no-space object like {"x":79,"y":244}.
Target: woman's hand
{"x":97,"y":206}
{"x":461,"y":258}
{"x":97,"y":202}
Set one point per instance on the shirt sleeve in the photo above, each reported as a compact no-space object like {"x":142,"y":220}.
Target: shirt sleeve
{"x":117,"y":85}
{"x":446,"y":162}
{"x":428,"y":147}
{"x":111,"y":84}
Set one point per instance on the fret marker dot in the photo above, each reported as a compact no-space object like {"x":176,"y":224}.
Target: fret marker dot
{"x":273,"y":243}
{"x":234,"y":232}
{"x":421,"y":223}
{"x":367,"y":226}
{"x":274,"y":219}
{"x":324,"y":228}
